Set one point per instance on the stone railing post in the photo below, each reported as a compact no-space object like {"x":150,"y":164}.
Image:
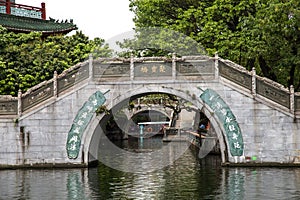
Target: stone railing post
{"x":55,"y":89}
{"x":173,"y":66}
{"x":19,"y":103}
{"x":253,"y":90}
{"x":216,"y":65}
{"x":292,"y":99}
{"x":131,"y":67}
{"x":91,"y":75}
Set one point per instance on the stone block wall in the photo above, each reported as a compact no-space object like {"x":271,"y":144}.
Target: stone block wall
{"x":269,"y":135}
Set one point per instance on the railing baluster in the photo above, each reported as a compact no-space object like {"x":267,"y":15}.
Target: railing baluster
{"x":174,"y":66}
{"x":216,"y":65}
{"x":91,"y":75}
{"x":55,"y":89}
{"x":131,"y":67}
{"x":292,"y":99}
{"x":19,"y":103}
{"x":253,"y":81}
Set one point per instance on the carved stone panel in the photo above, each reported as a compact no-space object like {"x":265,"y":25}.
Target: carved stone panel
{"x":108,"y":70}
{"x":195,"y":68}
{"x":72,"y":77}
{"x":8,"y":107}
{"x":39,"y":95}
{"x":271,"y":92}
{"x":234,"y":75}
{"x":152,"y":69}
{"x":297,"y":103}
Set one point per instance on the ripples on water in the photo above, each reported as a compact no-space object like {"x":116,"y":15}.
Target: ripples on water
{"x":187,"y":178}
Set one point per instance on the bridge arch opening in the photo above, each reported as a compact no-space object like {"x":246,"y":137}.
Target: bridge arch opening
{"x":153,"y":115}
{"x":96,"y":128}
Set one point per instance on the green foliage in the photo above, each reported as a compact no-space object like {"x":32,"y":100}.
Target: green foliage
{"x":100,"y":49}
{"x":262,"y":34}
{"x":160,"y":42}
{"x":276,"y":41}
{"x":28,"y":59}
{"x":102,"y":109}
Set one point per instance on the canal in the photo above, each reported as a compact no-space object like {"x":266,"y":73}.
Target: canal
{"x":187,"y":177}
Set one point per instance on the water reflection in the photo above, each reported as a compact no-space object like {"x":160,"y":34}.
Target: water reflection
{"x":260,"y":183}
{"x":140,"y":155}
{"x":186,"y":178}
{"x":44,"y":184}
{"x":75,"y":186}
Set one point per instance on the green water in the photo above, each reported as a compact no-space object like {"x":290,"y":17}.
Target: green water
{"x":187,"y":178}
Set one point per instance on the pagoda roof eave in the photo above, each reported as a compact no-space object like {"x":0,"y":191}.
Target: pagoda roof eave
{"x":19,"y":30}
{"x":26,"y":25}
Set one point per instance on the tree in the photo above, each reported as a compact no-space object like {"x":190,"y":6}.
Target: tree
{"x":176,"y":104}
{"x":28,"y":59}
{"x":158,"y":13}
{"x":276,"y":41}
{"x":153,"y":19}
{"x":262,"y":34}
{"x":154,"y":41}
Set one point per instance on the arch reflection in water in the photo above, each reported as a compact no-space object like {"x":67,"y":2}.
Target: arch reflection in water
{"x":141,"y":159}
{"x":187,"y":178}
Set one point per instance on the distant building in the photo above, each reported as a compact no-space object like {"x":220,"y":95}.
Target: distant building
{"x":24,"y":19}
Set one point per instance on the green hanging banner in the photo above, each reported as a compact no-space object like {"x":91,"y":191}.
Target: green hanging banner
{"x":225,"y":115}
{"x":80,"y":123}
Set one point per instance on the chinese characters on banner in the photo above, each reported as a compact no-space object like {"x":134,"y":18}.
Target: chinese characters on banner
{"x":80,"y":123}
{"x":225,"y":115}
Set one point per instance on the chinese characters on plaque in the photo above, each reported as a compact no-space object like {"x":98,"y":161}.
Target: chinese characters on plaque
{"x":225,"y":115}
{"x":152,"y":69}
{"x":80,"y":123}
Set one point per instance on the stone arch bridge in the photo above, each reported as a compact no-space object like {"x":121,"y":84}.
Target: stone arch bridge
{"x":55,"y":123}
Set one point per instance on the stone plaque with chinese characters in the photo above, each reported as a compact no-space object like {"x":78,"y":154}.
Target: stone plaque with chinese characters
{"x":80,"y":123}
{"x":153,"y":69}
{"x":228,"y":120}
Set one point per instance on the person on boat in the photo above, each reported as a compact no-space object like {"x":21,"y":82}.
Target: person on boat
{"x":203,"y":129}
